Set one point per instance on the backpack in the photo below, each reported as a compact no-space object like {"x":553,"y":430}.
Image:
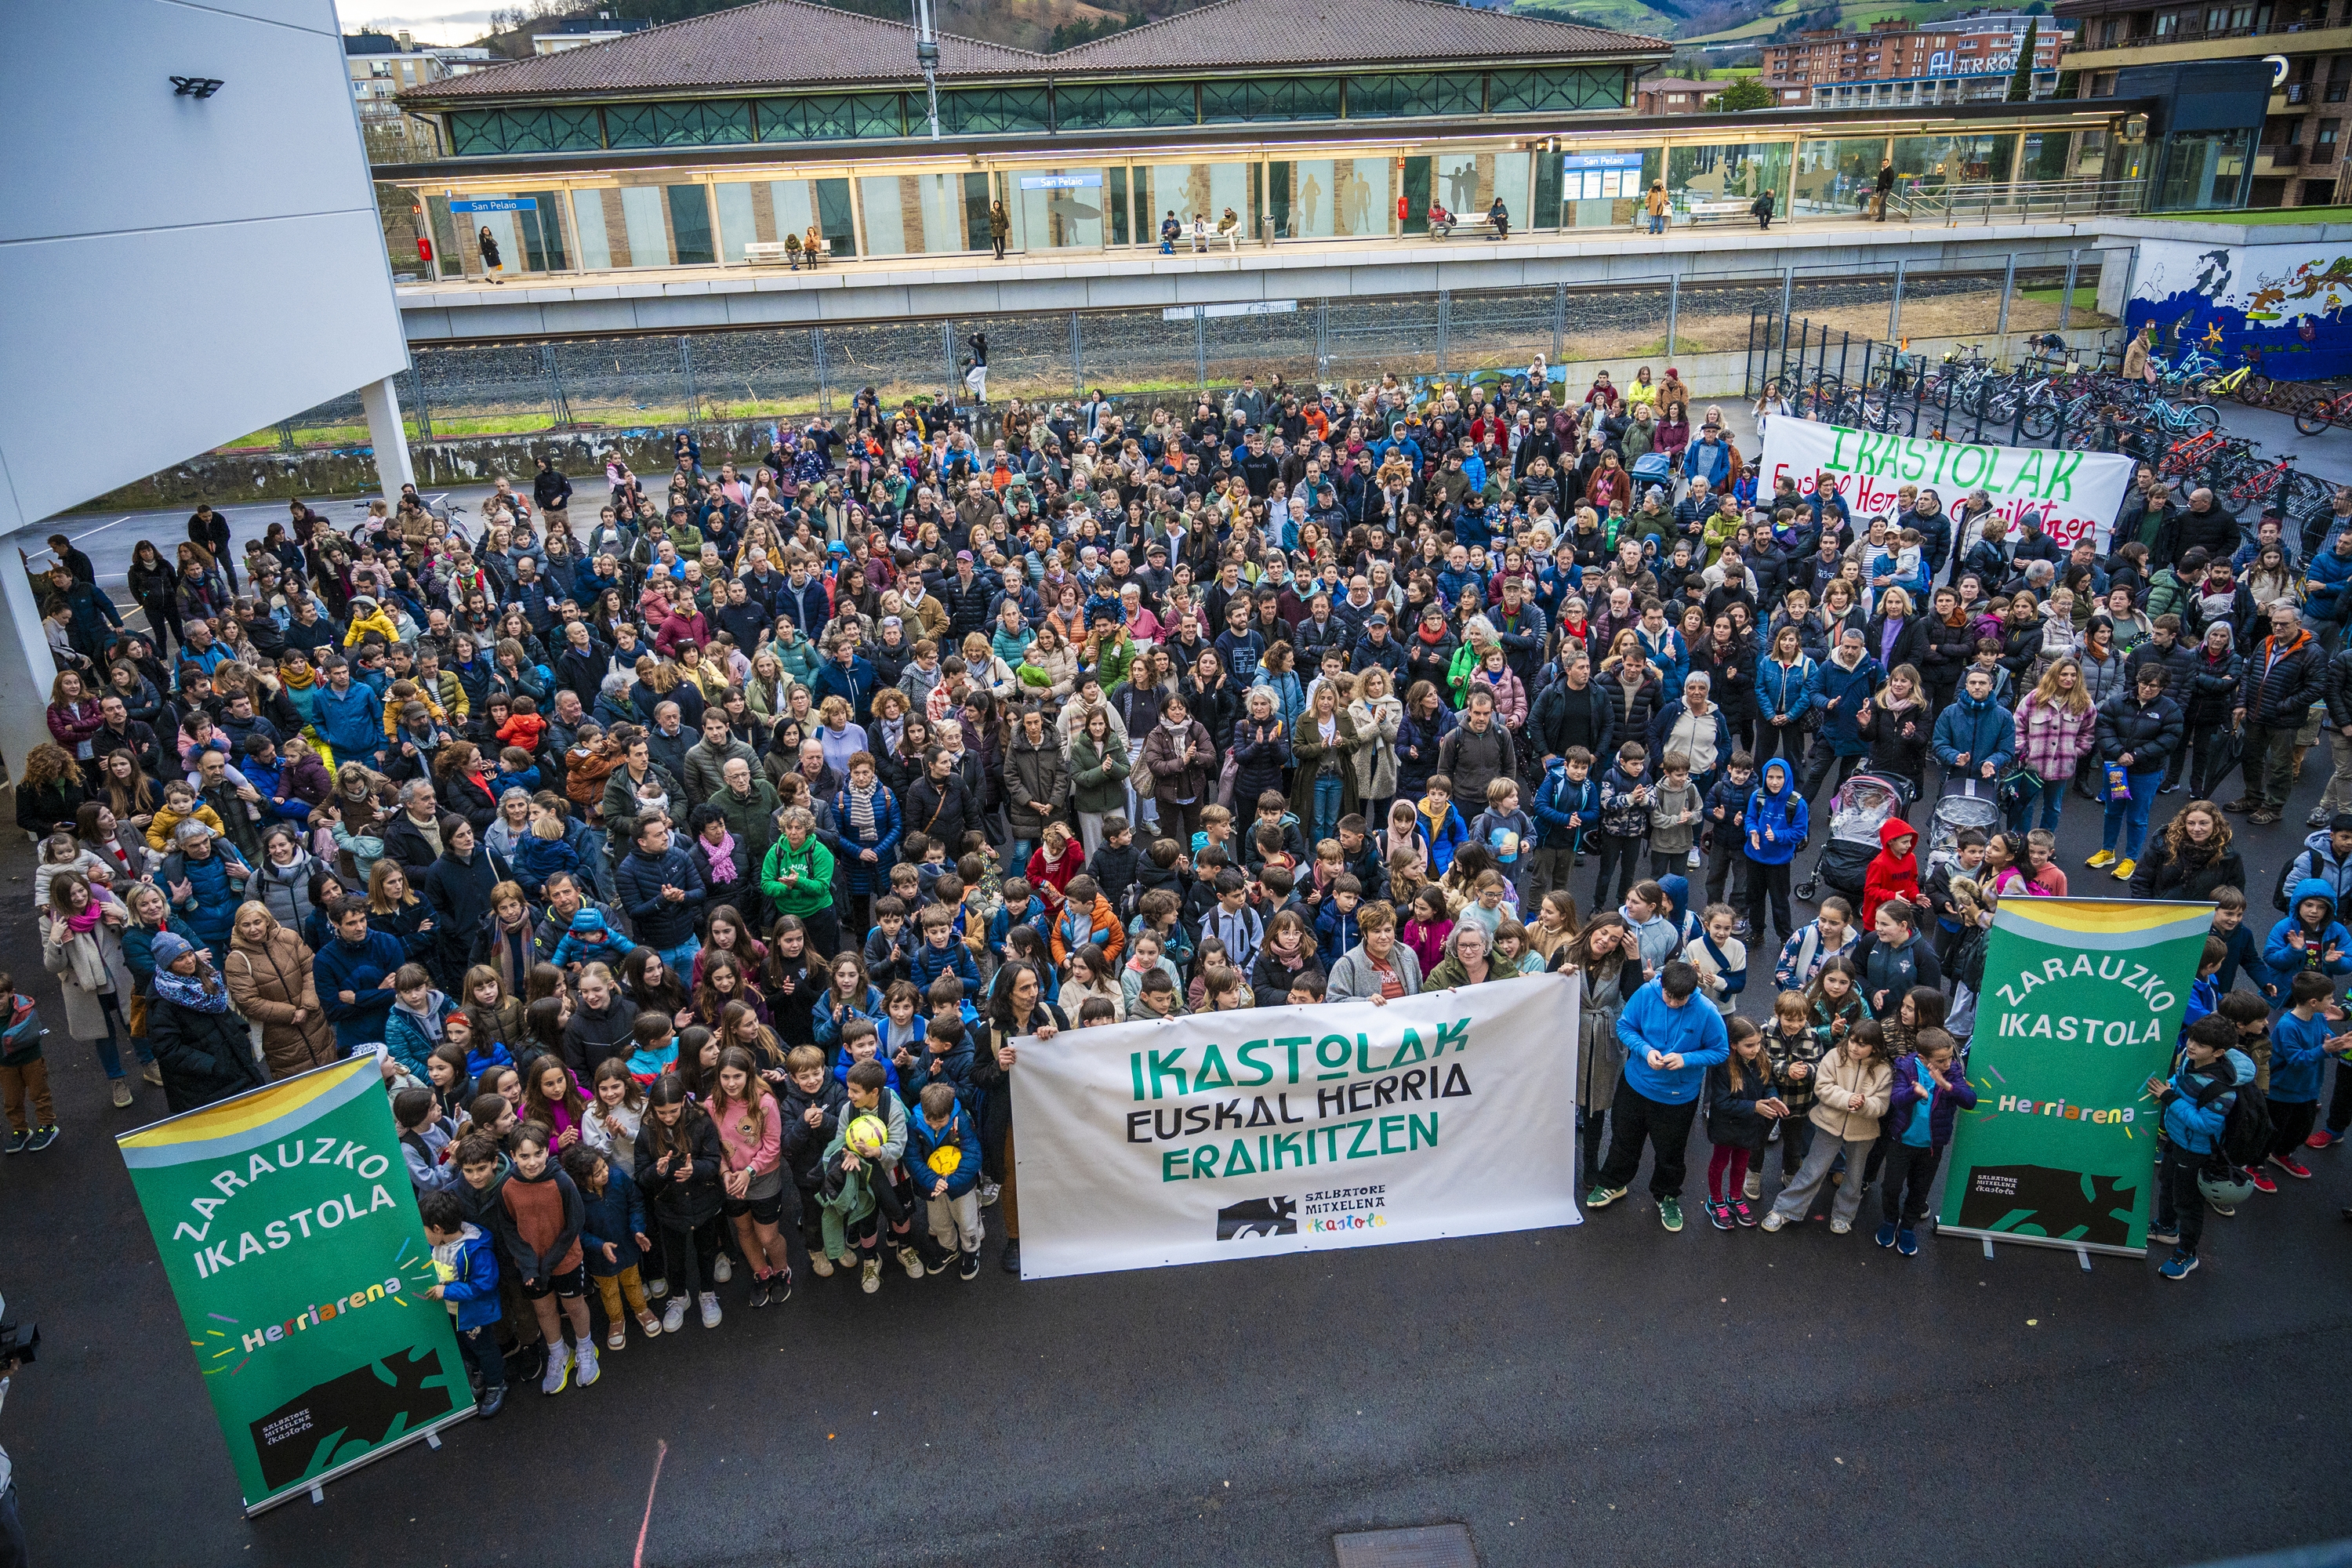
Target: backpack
{"x":2246,"y":1133}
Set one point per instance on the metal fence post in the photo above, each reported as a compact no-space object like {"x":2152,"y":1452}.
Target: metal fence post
{"x":1323,"y":338}
{"x":1560,"y":322}
{"x":1077,"y":358}
{"x":1895,"y":307}
{"x":1673,"y":308}
{"x":417,"y":401}
{"x":285,"y":444}
{"x":2008,"y":284}
{"x":1845,"y":341}
{"x":559,"y":407}
{"x":2067,"y":297}
{"x":824,"y":375}
{"x":1787,"y":291}
{"x":1201,"y":345}
{"x":947,"y":351}
{"x":686,"y":372}
{"x":1444,"y":326}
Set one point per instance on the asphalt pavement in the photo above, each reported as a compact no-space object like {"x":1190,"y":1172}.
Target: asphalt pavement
{"x":1603,"y":1393}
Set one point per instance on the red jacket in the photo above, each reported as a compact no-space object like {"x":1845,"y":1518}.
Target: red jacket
{"x":1888,"y":876}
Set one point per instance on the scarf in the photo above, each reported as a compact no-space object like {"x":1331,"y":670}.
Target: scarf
{"x":201,"y":993}
{"x":300,"y":679}
{"x":87,"y":920}
{"x":861,"y":812}
{"x":721,"y":857}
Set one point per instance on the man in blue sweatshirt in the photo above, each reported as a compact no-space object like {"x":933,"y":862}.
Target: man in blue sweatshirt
{"x":1669,"y":1045}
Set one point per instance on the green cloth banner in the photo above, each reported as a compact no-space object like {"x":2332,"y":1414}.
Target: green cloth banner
{"x":291,"y":1236}
{"x":2082,"y":1000}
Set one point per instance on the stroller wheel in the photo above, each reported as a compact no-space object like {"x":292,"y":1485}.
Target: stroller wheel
{"x":1806,"y":889}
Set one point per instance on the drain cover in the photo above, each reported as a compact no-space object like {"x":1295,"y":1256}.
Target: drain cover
{"x":1423,"y":1546}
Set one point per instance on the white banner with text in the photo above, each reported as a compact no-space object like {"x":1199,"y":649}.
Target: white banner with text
{"x":1273,"y":1129}
{"x":2076,"y":494}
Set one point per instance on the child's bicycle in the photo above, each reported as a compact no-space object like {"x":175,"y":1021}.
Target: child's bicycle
{"x":2325,"y":414}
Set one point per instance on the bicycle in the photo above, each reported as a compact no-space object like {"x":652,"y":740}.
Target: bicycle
{"x":2325,"y":414}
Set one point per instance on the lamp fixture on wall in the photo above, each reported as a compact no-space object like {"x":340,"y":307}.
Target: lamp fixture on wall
{"x":195,"y":85}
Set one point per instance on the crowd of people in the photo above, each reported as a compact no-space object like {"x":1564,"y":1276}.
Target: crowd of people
{"x":691,"y":859}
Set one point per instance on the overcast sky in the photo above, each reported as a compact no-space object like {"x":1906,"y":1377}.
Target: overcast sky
{"x":431,"y":21}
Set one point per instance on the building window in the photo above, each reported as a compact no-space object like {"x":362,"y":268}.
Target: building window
{"x":2322,"y":146}
{"x":475,"y":134}
{"x":764,"y":211}
{"x":1543,"y":91}
{"x":1123,"y":105}
{"x":842,"y":118}
{"x":1435,"y":92}
{"x":1270,"y":98}
{"x":994,"y":112}
{"x":698,"y":124}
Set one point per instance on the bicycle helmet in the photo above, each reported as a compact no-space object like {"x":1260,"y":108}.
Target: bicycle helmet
{"x":2225,"y":1186}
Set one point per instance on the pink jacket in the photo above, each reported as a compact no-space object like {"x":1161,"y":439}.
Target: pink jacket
{"x":735,"y":1136}
{"x":2050,"y":740}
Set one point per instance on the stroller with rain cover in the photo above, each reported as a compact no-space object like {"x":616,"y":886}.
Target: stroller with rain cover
{"x":1862,"y":804}
{"x":1955,"y":815}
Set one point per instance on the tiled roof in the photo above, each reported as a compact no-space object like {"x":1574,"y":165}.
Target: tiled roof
{"x":783,"y":44}
{"x":1240,"y":32}
{"x":769,"y":43}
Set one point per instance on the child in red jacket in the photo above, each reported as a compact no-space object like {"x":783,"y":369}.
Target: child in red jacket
{"x":1894,"y":872}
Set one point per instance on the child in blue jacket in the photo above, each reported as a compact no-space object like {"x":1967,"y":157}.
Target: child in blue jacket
{"x":1931,"y":1087}
{"x":467,"y":1262}
{"x":2309,"y":941}
{"x":614,"y":1236}
{"x":943,"y":1159}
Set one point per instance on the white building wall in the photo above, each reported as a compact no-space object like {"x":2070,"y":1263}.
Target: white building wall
{"x":177,"y":271}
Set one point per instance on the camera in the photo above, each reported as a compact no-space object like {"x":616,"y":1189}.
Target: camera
{"x":19,"y":1342}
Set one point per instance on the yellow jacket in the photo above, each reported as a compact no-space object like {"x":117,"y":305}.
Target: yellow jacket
{"x":374,"y":620}
{"x":166,"y":821}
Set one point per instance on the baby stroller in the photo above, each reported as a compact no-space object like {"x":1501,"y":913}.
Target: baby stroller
{"x":1862,"y":804}
{"x":1955,"y":815}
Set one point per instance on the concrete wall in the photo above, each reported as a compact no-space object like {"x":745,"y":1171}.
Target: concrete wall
{"x":674,"y":299}
{"x":177,"y":271}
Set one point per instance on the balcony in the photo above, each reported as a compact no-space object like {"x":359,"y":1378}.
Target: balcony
{"x":2216,"y":44}
{"x":2285,"y":157}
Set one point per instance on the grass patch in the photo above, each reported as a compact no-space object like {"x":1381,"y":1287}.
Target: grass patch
{"x":2262,"y":215}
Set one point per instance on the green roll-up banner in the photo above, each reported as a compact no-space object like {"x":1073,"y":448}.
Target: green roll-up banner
{"x":2081,"y":1001}
{"x":289,"y":1234}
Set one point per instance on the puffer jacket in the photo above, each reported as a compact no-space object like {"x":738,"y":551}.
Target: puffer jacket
{"x":2150,"y":732}
{"x":269,"y":981}
{"x":2052,"y":739}
{"x":1851,"y":1096}
{"x":2279,"y":686}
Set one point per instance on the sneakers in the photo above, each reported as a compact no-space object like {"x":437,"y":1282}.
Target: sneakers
{"x":2125,"y":867}
{"x":1670,"y":1213}
{"x":779,"y":1286}
{"x":2266,"y":817}
{"x":1744,"y":1216}
{"x":710,"y":1308}
{"x":1011,"y":1260}
{"x":2242,"y":806}
{"x":990,"y":1192}
{"x":2261,"y":1181}
{"x":1721,"y":1213}
{"x":2179,"y":1266}
{"x":1754,"y":1188}
{"x":2104,"y":858}
{"x":911,"y":1261}
{"x":674,"y":1315}
{"x":2318,"y":817}
{"x":2169,"y":1235}
{"x":1906,"y":1242}
{"x":873,"y":1272}
{"x":616,"y":1335}
{"x":152,"y":1073}
{"x":1601,"y":1197}
{"x":2292,"y":1166}
{"x":558,"y":1370}
{"x":656,"y":1288}
{"x":758,"y":1292}
{"x":649,"y":1324}
{"x":1840,"y":1226}
{"x":43,"y":1136}
{"x":1773,"y":1222}
{"x":968,"y":1270}
{"x":16,"y":1140}
{"x":589,"y":1371}
{"x":821,"y":1266}
{"x":527,"y":1362}
{"x":489,"y":1402}
{"x":1886,"y":1237}
{"x":2323,"y":1139}
{"x":723,"y":1270}
{"x":121,"y":1093}
{"x":2227,"y":1211}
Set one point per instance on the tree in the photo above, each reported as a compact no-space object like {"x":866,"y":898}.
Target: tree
{"x":1745,"y":92}
{"x":2021,"y":81}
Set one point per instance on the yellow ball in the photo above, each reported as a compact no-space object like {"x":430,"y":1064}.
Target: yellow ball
{"x":945,"y":1160}
{"x":868,"y":1134}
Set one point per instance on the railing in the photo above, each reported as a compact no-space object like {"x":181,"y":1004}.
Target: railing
{"x":2197,"y":36}
{"x":2021,"y":199}
{"x":2286,"y":155}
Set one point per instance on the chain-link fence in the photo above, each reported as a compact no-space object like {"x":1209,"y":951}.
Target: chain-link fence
{"x":623,"y":383}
